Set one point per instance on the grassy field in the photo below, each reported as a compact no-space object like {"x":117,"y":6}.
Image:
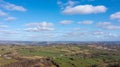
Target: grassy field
{"x":63,"y":55}
{"x":4,"y":61}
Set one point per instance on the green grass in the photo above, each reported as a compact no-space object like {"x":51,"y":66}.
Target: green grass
{"x":4,"y":61}
{"x":46,"y":53}
{"x":78,"y":62}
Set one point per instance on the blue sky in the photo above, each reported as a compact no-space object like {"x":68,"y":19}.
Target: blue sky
{"x":60,"y":20}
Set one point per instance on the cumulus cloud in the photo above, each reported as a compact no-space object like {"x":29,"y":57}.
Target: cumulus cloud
{"x":2,"y":13}
{"x":12,"y":7}
{"x":69,"y":3}
{"x":115,"y":16}
{"x":37,"y":27}
{"x":86,"y":22}
{"x":64,"y":22}
{"x":108,"y":26}
{"x":10,"y":18}
{"x":84,"y":9}
{"x":103,"y":23}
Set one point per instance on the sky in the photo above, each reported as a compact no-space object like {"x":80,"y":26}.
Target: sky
{"x":60,"y":20}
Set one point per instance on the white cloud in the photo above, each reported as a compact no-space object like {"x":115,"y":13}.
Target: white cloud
{"x":10,"y":19}
{"x":8,"y":32}
{"x":43,"y":24}
{"x":103,"y":23}
{"x":12,"y":7}
{"x":69,"y":3}
{"x":76,"y":33}
{"x":108,"y":26}
{"x":37,"y":27}
{"x":98,"y":33}
{"x":91,"y":34}
{"x":32,"y":29}
{"x":113,"y":35}
{"x":112,"y":27}
{"x":84,"y":9}
{"x":45,"y":35}
{"x":86,"y":22}
{"x":72,"y":3}
{"x":64,"y":22}
{"x":3,"y":26}
{"x":101,"y":34}
{"x":115,"y":16}
{"x":2,"y":13}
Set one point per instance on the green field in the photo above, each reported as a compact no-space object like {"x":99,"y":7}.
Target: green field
{"x":63,"y":55}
